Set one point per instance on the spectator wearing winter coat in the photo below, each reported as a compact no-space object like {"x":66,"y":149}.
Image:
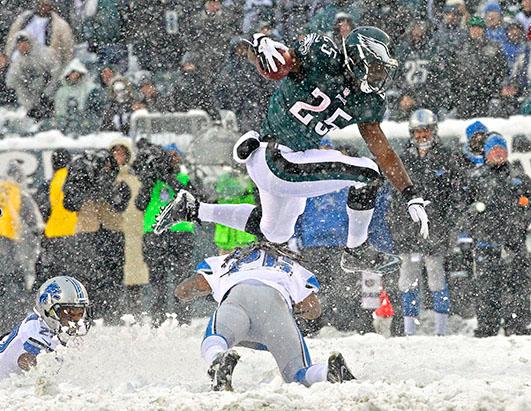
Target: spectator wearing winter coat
{"x":9,"y":10}
{"x":432,"y":168}
{"x":47,"y":29}
{"x":136,"y":274}
{"x":417,"y":77}
{"x":169,"y":255}
{"x":521,"y":70}
{"x":92,"y":191}
{"x":214,"y":24}
{"x":343,"y":25}
{"x":494,"y":221}
{"x":34,"y":76}
{"x":292,"y":17}
{"x":116,"y":114}
{"x":60,"y":223}
{"x":78,"y":101}
{"x":258,"y":10}
{"x":514,"y":42}
{"x":242,"y":89}
{"x":448,"y":38}
{"x":524,"y":16}
{"x":148,"y":96}
{"x":494,"y":29}
{"x":159,"y":32}
{"x":20,"y":231}
{"x":101,"y":24}
{"x":480,"y":73}
{"x":192,"y":91}
{"x":324,"y":18}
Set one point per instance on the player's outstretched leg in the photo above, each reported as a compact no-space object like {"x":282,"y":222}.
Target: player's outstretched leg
{"x":338,"y":371}
{"x":220,"y":372}
{"x":359,"y":255}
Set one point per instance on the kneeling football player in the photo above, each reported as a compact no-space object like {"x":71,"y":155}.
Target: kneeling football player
{"x":60,"y":313}
{"x":258,"y":290}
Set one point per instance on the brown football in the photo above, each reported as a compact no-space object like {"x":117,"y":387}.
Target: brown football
{"x":282,"y":69}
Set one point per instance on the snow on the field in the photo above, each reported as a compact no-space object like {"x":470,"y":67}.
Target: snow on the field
{"x":139,"y":368}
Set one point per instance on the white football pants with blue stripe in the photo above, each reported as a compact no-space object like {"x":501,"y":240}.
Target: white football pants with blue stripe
{"x":257,"y":316}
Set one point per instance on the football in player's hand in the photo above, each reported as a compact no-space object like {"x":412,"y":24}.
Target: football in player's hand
{"x":282,"y":69}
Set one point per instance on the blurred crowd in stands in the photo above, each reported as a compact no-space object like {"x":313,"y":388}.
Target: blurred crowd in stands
{"x":84,"y":66}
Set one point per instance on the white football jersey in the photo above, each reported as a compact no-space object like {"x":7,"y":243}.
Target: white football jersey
{"x":31,"y":336}
{"x":293,"y":281}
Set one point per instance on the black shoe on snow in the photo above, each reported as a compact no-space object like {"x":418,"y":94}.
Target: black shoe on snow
{"x":220,"y":372}
{"x":338,"y":371}
{"x":183,"y":208}
{"x":366,"y":258}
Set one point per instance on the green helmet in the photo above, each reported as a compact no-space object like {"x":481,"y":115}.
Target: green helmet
{"x":367,"y":58}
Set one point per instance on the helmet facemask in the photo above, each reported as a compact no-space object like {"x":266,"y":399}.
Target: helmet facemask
{"x":73,"y":320}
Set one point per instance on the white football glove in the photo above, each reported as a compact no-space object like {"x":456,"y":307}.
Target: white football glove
{"x":266,"y":50}
{"x":418,"y":214}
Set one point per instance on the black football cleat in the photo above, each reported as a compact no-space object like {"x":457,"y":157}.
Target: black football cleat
{"x":220,"y":372}
{"x":338,"y":371}
{"x":366,"y":258}
{"x":183,"y":208}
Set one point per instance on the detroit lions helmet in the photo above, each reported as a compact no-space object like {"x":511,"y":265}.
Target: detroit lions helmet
{"x":368,"y":59}
{"x":63,"y":304}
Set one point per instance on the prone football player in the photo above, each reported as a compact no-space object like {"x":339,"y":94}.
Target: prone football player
{"x":243,"y":283}
{"x":60,"y":314}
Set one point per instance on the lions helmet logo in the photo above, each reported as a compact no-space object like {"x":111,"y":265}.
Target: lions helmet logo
{"x":53,"y":291}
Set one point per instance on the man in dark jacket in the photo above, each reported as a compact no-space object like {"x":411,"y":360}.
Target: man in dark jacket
{"x":415,"y":52}
{"x":431,"y":168}
{"x":242,"y":89}
{"x":497,"y":219}
{"x":91,"y":190}
{"x":479,"y":72}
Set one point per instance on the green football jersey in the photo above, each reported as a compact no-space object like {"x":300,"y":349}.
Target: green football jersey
{"x":319,"y":99}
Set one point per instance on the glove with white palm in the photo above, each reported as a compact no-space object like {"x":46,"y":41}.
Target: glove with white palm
{"x":267,"y":52}
{"x":416,"y":208}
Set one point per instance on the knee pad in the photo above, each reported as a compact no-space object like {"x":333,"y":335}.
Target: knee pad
{"x":364,"y":198}
{"x":245,"y":146}
{"x":441,"y":301}
{"x":411,"y":303}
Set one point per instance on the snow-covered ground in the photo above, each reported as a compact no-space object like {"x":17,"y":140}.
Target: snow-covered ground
{"x":139,"y":368}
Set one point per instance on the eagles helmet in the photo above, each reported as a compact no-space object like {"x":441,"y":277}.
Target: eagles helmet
{"x":58,"y":303}
{"x":423,"y":119}
{"x":367,"y":58}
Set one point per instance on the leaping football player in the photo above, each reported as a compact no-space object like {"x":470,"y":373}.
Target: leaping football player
{"x":324,"y":87}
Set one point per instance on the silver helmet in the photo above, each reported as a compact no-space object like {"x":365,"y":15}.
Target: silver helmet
{"x":423,"y":119}
{"x":54,"y":300}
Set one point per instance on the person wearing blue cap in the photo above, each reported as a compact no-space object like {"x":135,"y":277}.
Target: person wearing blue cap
{"x":475,"y":136}
{"x":494,"y":31}
{"x":496,"y":220}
